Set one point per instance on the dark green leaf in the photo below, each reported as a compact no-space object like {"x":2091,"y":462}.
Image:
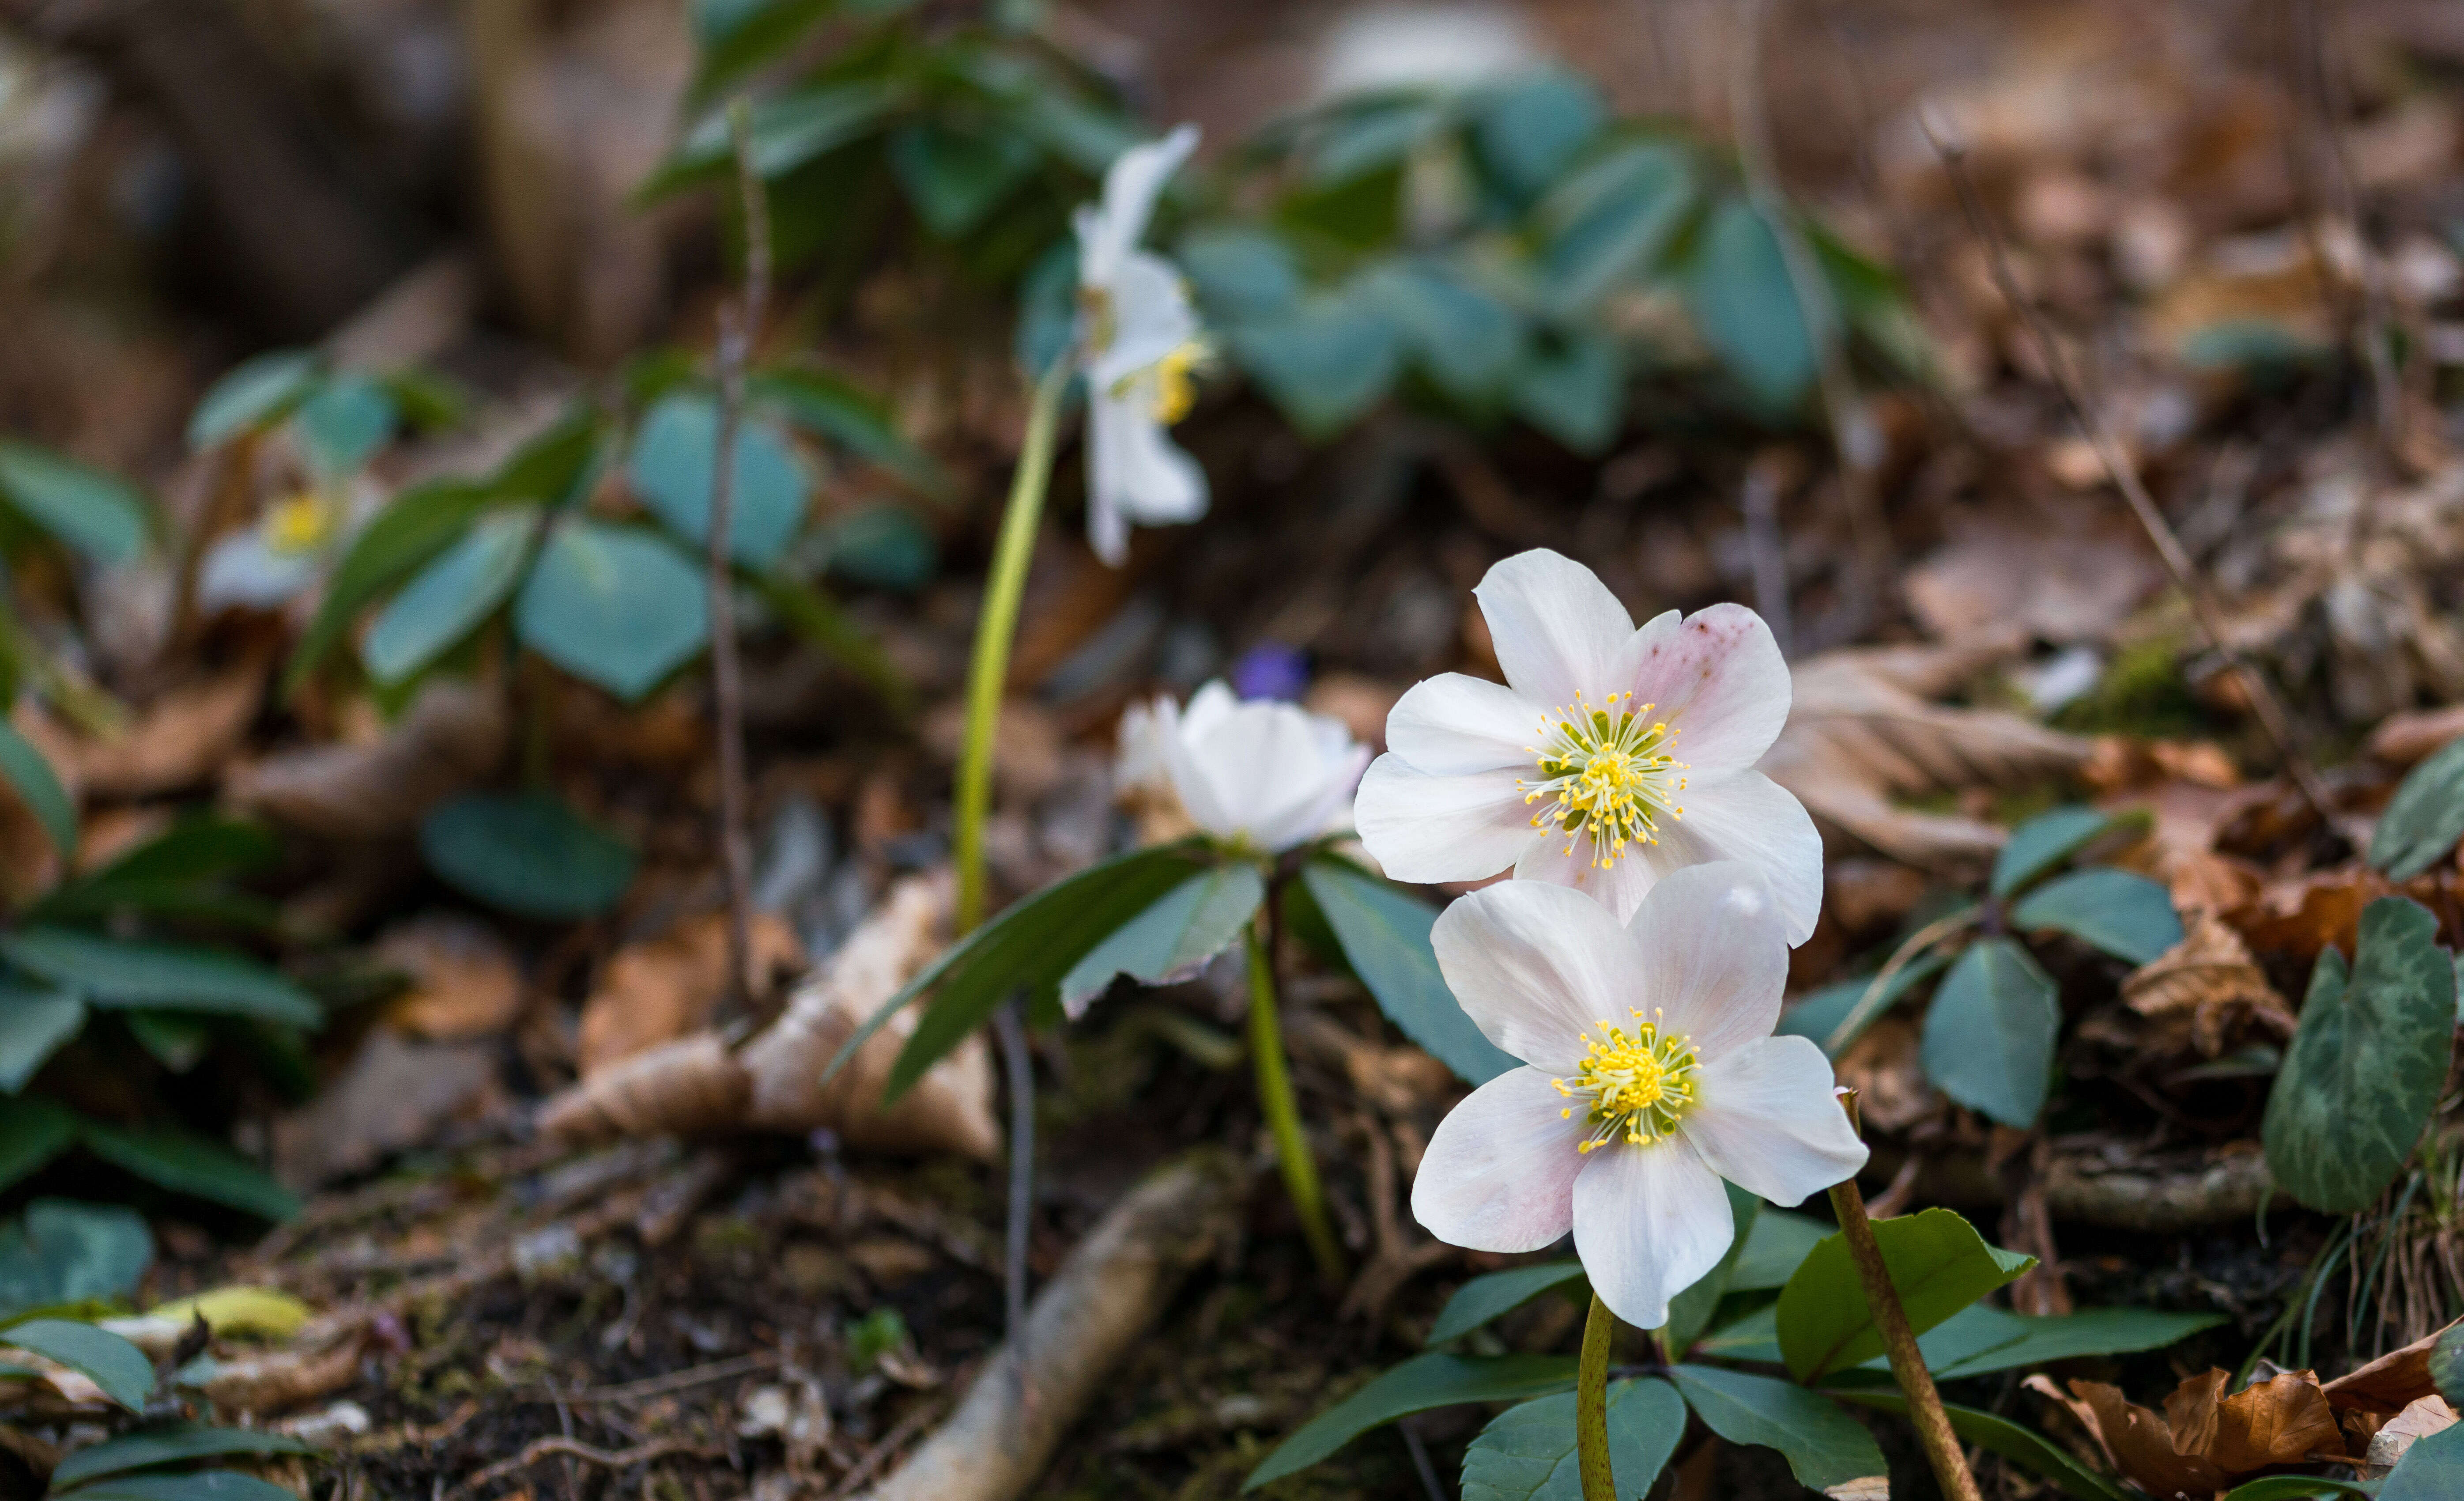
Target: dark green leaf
{"x":1385,"y":937}
{"x":1775,"y":1247}
{"x":2001,"y":1436}
{"x":68,"y":1252}
{"x":1172,"y":939}
{"x":2433,"y":1469}
{"x":1745,"y":309}
{"x":1497,"y":1294}
{"x":2020,"y":1341}
{"x":419,"y":524}
{"x":2043,"y":842}
{"x":252,"y":394}
{"x":1988,"y":1035}
{"x":1323,"y":363}
{"x":675,"y":456}
{"x":1753,"y":1337}
{"x":2304,"y":1487}
{"x":842,"y":412}
{"x":787,"y":132}
{"x":117,"y":972}
{"x":39,"y":789}
{"x":1028,"y":947}
{"x":2129,"y":917}
{"x":1466,"y":339}
{"x":33,"y":1024}
{"x":1937,"y":1261}
{"x":955,"y":176}
{"x":2425,"y":818}
{"x":882,"y":547}
{"x":2367,"y":1065}
{"x":1823,"y":1446}
{"x":1528,"y":1453}
{"x":147,"y":1448}
{"x":1372,"y":137}
{"x":198,"y":849}
{"x":1821,"y":1014}
{"x":114,"y":1364}
{"x":1690,"y":1311}
{"x":343,"y":425}
{"x":1528,"y":131}
{"x":528,"y":853}
{"x":32,"y":1132}
{"x":613,"y":605}
{"x":191,"y":1165}
{"x":177,"y":1041}
{"x":1574,"y":393}
{"x":1241,"y":274}
{"x":98,"y":515}
{"x":206,"y":1485}
{"x":1416,"y":1385}
{"x":449,"y":597}
{"x":559,"y":465}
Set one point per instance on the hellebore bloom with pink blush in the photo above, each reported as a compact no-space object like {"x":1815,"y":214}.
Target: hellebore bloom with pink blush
{"x":1609,"y":757}
{"x":1651,"y":1073}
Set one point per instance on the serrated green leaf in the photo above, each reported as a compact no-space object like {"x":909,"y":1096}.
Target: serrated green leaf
{"x":614,"y":606}
{"x":252,"y":394}
{"x":1385,"y":937}
{"x":122,"y":972}
{"x":188,"y":1163}
{"x":2001,"y":1436}
{"x":114,"y":1364}
{"x":1174,"y":938}
{"x":34,"y":1023}
{"x":2366,"y":1068}
{"x":674,"y":453}
{"x":39,"y":789}
{"x":527,"y":853}
{"x":84,"y":508}
{"x":1527,"y":1452}
{"x":1938,"y":1263}
{"x":1416,"y":1385}
{"x":2129,"y":917}
{"x":449,"y":597}
{"x":1989,"y":1033}
{"x":1823,"y":1446}
{"x":2043,"y":842}
{"x":170,"y":1444}
{"x":1494,"y":1294}
{"x":2425,"y":818}
{"x":419,"y":524}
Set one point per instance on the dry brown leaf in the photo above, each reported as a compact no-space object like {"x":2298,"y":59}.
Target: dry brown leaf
{"x":2206,"y":990}
{"x":659,"y":989}
{"x":773,"y":1082}
{"x":2421,"y":1418}
{"x":2072,"y":575}
{"x":1882,"y":1067}
{"x":464,"y":981}
{"x":180,"y":740}
{"x":2299,"y":917}
{"x":395,"y":1093}
{"x":2389,"y":1384}
{"x":2403,"y":739}
{"x":453,"y":736}
{"x":1861,"y":733}
{"x":2205,"y":1439}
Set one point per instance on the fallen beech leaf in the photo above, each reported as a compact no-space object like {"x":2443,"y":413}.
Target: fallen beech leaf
{"x":1861,"y":733}
{"x":452,"y":737}
{"x":2299,"y":917}
{"x":2207,"y":988}
{"x":2061,"y":572}
{"x":181,"y":740}
{"x":659,"y":989}
{"x":2286,"y":1421}
{"x":2420,"y":1419}
{"x":464,"y":981}
{"x":2139,"y":1443}
{"x":2389,"y":1384}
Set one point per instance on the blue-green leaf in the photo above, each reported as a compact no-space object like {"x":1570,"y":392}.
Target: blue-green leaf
{"x":1821,"y":1014}
{"x":449,"y":597}
{"x":39,"y":789}
{"x":34,"y":1130}
{"x":1494,"y":1294}
{"x":2043,"y":842}
{"x":98,"y":515}
{"x":34,"y":1023}
{"x":64,"y":1252}
{"x":343,"y":425}
{"x":675,"y":457}
{"x":1385,"y":936}
{"x":954,"y":175}
{"x":528,"y":853}
{"x":170,"y":1444}
{"x":1746,"y":307}
{"x":114,"y":1364}
{"x":2129,"y":917}
{"x":1323,"y":363}
{"x":188,"y":1163}
{"x":1823,"y":1446}
{"x":1527,"y":1452}
{"x":1574,"y":393}
{"x":421,"y":523}
{"x":1989,"y":1033}
{"x":1416,"y":1385}
{"x":116,"y":972}
{"x":1609,"y":221}
{"x":206,"y":1485}
{"x":252,"y":394}
{"x":1777,"y":1246}
{"x":613,"y":605}
{"x":1172,"y":939}
{"x":1527,"y":131}
{"x":2425,"y":818}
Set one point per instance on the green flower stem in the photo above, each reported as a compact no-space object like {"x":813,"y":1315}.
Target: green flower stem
{"x":1283,"y":1114}
{"x":1891,"y":1321}
{"x":1591,"y":1404}
{"x":988,"y":672}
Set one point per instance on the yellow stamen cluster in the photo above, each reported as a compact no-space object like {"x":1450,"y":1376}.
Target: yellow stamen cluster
{"x":1175,"y":391}
{"x":302,"y":523}
{"x":1606,"y":772}
{"x":1638,"y":1085}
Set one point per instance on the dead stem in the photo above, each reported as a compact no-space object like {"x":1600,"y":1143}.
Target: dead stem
{"x":2276,"y":724}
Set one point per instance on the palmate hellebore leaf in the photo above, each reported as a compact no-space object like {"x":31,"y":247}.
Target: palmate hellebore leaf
{"x":674,"y":459}
{"x":1937,"y":1261}
{"x":404,"y":538}
{"x":2366,"y":1068}
{"x":1172,"y":939}
{"x":1990,"y":1035}
{"x":448,"y":599}
{"x":1527,"y":1452}
{"x":614,"y":606}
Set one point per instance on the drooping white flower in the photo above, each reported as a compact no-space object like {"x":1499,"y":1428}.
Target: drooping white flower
{"x":1650,"y":1075}
{"x":1611,"y":755}
{"x":1259,"y":772}
{"x":1139,"y":344}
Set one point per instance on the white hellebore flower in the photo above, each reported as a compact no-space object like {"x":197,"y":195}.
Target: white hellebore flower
{"x":1261,"y":773}
{"x":1651,"y":1073}
{"x":1140,"y":340}
{"x":1609,"y":757}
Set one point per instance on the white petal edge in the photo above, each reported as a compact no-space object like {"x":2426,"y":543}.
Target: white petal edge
{"x":1746,"y":816}
{"x":1427,"y":829}
{"x":1556,"y":629}
{"x":1152,"y":316}
{"x":1135,"y":474}
{"x":1648,"y":1222}
{"x":1453,"y":724}
{"x":1768,"y":1122}
{"x":1719,"y":681}
{"x":1132,"y":184}
{"x":1716,"y":954}
{"x":1499,"y":1173}
{"x":1560,"y":861}
{"x":1535,"y":967}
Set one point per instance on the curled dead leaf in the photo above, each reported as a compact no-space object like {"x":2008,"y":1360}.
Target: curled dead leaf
{"x":452,"y":737}
{"x":659,"y":989}
{"x":2205,"y":1439}
{"x":179,"y":741}
{"x":2389,"y":1384}
{"x":464,"y":981}
{"x":2420,"y":1419}
{"x":2207,"y":991}
{"x":2305,"y":914}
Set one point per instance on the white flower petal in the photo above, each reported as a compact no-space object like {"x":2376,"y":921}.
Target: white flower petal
{"x":1649,"y":1221}
{"x":1146,"y":728}
{"x":1746,"y":816}
{"x":1426,"y":829}
{"x":1535,"y":967}
{"x":1135,"y":472}
{"x":1131,"y":184}
{"x":1769,"y":1122}
{"x":1151,"y":318}
{"x":1717,"y":956}
{"x":1718,"y":678}
{"x":1267,"y":774}
{"x":1560,"y":861}
{"x":1557,"y":629}
{"x":1499,"y":1173}
{"x":1452,"y":724}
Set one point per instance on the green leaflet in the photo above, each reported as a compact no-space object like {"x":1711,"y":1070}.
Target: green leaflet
{"x":169,"y":1445}
{"x":1385,"y":936}
{"x":114,"y":1364}
{"x":1174,"y":938}
{"x":2129,"y":917}
{"x":1938,"y":1262}
{"x":1497,"y":1294}
{"x":1416,"y":1385}
{"x":1527,"y":1452}
{"x":528,"y":853}
{"x":2425,"y":818}
{"x":2043,"y":842}
{"x":1823,"y":1446}
{"x":1989,"y":1033}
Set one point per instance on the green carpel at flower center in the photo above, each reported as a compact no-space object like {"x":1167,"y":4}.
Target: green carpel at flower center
{"x":1607,"y":772}
{"x":1638,"y":1085}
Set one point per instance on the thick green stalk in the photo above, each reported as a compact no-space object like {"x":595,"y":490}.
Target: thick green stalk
{"x":1591,"y":1405}
{"x":988,"y":672}
{"x":1283,"y":1114}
